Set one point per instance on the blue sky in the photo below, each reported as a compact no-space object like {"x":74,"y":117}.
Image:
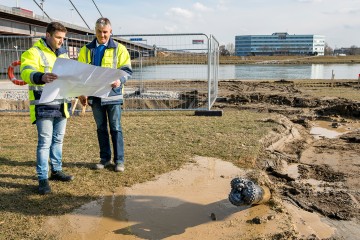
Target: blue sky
{"x":337,"y":20}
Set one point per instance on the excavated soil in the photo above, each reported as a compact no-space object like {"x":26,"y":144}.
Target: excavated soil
{"x":312,"y":167}
{"x":315,"y":165}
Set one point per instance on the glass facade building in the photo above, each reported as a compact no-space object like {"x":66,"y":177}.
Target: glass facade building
{"x":279,"y":44}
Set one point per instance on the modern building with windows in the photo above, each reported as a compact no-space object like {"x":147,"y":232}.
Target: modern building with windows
{"x":280,"y":43}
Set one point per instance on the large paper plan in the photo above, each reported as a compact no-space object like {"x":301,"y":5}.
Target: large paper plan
{"x":76,"y":78}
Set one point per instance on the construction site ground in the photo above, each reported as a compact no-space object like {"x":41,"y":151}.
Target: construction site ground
{"x":311,"y":166}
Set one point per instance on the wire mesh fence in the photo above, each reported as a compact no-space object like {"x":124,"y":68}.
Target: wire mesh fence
{"x":171,"y":71}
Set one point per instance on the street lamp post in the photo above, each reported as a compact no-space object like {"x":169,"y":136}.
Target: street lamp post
{"x":71,"y":12}
{"x":42,"y":6}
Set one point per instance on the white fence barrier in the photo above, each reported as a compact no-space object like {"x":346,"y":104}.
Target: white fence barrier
{"x":171,"y":71}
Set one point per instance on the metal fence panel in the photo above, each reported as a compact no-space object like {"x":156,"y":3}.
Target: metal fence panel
{"x":171,"y":71}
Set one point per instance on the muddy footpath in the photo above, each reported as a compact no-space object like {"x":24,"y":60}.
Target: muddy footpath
{"x":311,"y":164}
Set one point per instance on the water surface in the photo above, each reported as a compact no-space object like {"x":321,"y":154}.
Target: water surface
{"x":250,"y":72}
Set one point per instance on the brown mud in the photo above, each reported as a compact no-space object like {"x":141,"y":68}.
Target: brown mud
{"x":315,"y":165}
{"x":311,"y":165}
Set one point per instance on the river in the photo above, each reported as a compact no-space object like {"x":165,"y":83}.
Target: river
{"x":247,"y":72}
{"x":251,"y":72}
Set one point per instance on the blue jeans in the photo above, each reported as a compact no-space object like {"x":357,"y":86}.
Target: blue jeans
{"x":51,"y":132}
{"x":103,"y":114}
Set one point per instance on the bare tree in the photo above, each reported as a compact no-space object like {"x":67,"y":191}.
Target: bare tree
{"x":231,"y":49}
{"x":353,"y":50}
{"x":223,"y":51}
{"x":328,"y":50}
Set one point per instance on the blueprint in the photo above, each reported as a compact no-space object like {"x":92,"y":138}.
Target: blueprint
{"x":76,"y":79}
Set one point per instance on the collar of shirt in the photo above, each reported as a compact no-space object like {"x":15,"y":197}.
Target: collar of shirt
{"x":105,"y":44}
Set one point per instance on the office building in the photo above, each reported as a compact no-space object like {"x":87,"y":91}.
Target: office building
{"x":280,"y":43}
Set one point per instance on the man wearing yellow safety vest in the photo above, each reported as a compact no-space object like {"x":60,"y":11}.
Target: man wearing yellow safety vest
{"x":50,"y":118}
{"x":105,"y":52}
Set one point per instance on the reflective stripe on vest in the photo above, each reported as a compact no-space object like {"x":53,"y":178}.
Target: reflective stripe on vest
{"x":28,"y":67}
{"x":55,"y":102}
{"x":87,"y":55}
{"x":115,"y":56}
{"x":43,"y":57}
{"x":36,"y":88}
{"x":32,"y":77}
{"x":112,"y":98}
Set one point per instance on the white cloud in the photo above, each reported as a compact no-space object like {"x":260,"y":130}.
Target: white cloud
{"x":202,"y":8}
{"x":222,"y":5}
{"x":343,"y":11}
{"x":335,"y":19}
{"x":171,"y":29}
{"x":180,"y":12}
{"x":349,"y":10}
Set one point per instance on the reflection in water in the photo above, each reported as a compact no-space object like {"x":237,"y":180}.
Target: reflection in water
{"x":249,"y":72}
{"x":272,"y":72}
{"x":345,"y":71}
{"x":113,"y":207}
{"x":326,"y":129}
{"x":245,"y":72}
{"x":317,"y":72}
{"x":156,"y":220}
{"x":323,"y":132}
{"x":177,"y":205}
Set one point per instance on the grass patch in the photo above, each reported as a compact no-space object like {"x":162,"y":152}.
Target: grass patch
{"x":339,"y":92}
{"x":155,"y":143}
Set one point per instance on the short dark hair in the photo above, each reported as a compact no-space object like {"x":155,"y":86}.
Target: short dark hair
{"x":55,"y":26}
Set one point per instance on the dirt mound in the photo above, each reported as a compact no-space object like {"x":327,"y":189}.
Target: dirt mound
{"x":319,"y":175}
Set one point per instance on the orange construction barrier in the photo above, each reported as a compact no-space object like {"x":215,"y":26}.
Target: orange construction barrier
{"x":12,"y":76}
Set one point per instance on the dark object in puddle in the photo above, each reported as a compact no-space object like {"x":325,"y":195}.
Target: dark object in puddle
{"x":213,"y":216}
{"x":335,"y":124}
{"x":351,"y":139}
{"x":246,"y":192}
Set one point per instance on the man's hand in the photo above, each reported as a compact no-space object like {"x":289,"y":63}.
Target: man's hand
{"x":49,"y":77}
{"x":115,"y":84}
{"x":83,"y":100}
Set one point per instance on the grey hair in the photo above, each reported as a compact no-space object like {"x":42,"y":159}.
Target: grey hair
{"x":101,"y":22}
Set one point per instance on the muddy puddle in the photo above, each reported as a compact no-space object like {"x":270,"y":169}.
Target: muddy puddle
{"x":190,"y":203}
{"x":328,"y":129}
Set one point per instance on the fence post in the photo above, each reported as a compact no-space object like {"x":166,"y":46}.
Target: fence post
{"x":209,"y":72}
{"x":17,"y":53}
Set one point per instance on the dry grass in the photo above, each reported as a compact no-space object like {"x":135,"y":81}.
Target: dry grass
{"x":155,"y":143}
{"x":348,"y":89}
{"x":348,"y":93}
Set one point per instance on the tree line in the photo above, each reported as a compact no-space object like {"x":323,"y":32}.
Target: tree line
{"x":229,"y":50}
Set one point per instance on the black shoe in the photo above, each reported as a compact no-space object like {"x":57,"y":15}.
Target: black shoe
{"x":44,"y":187}
{"x":61,"y":176}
